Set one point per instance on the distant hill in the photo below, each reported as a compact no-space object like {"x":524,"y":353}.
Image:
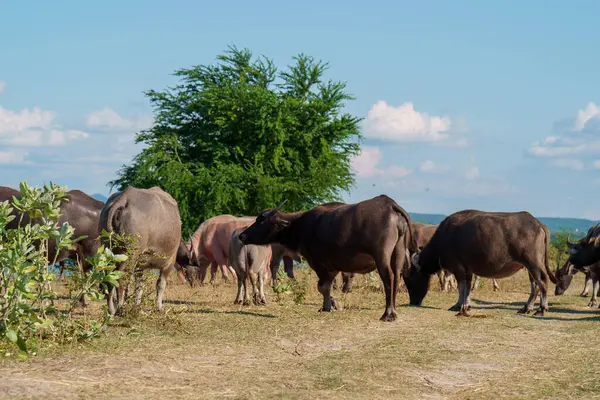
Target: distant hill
{"x":100,"y":197}
{"x":577,"y":226}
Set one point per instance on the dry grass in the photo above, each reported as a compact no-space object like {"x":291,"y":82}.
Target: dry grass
{"x":204,"y":346}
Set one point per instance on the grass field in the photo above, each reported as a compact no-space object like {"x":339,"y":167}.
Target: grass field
{"x":204,"y":346}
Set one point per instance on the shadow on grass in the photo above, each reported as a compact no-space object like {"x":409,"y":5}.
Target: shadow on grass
{"x":178,"y":302}
{"x":419,"y":307}
{"x":515,"y":305}
{"x":596,"y":318}
{"x":250,"y":313}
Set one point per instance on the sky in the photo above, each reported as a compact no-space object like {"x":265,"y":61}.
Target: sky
{"x":489,"y":105}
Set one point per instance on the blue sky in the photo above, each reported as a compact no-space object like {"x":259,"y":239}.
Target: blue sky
{"x":468,"y":104}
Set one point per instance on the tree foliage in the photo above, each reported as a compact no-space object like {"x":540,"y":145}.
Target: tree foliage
{"x":240,"y":136}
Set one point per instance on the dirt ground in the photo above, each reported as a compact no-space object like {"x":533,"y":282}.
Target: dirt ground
{"x":204,"y":346}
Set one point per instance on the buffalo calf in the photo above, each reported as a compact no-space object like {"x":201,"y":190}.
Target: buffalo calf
{"x":249,"y":262}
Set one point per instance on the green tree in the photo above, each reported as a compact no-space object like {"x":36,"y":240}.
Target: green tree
{"x":240,"y":136}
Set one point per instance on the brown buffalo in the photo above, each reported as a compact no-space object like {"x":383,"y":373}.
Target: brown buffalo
{"x":153,"y":216}
{"x":489,"y":244}
{"x":356,"y":238}
{"x":564,"y":276}
{"x":249,"y":262}
{"x":81,"y":212}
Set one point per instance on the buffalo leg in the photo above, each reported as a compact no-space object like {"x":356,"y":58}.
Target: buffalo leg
{"x":288,"y":267}
{"x":528,"y":307}
{"x":254,"y":282}
{"x":274,"y":265}
{"x":495,"y":284}
{"x":594,"y":301}
{"x":214,"y":267}
{"x":137,"y":293}
{"x":261,"y":287}
{"x":586,"y":286}
{"x":161,"y":285}
{"x":440,"y":275}
{"x":121,"y":296}
{"x":475,"y":283}
{"x":324,"y":285}
{"x":347,"y":279}
{"x":241,"y":278}
{"x":110,"y":299}
{"x":389,"y":277}
{"x":464,"y":295}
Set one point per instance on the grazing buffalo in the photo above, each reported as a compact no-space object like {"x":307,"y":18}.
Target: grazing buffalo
{"x":249,"y":262}
{"x":183,"y":261}
{"x":81,"y":212}
{"x":489,"y":244}
{"x":152,"y":215}
{"x":564,"y":276}
{"x":356,"y":238}
{"x":424,"y":233}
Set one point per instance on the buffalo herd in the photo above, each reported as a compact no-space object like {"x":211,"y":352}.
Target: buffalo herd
{"x":334,"y":238}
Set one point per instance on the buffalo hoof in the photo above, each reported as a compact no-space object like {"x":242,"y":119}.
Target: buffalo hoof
{"x":539,"y":313}
{"x":584,"y":294}
{"x":593,"y":303}
{"x":463,"y":313}
{"x":246,"y":302}
{"x":388,"y":317}
{"x":237,"y":302}
{"x":324,"y":310}
{"x":524,"y":310}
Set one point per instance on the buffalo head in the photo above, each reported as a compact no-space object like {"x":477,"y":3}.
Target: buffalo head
{"x":416,"y":281}
{"x":266,"y":229}
{"x":587,"y":250}
{"x":564,"y":275}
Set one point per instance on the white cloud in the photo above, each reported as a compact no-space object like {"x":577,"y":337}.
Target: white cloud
{"x":107,"y":119}
{"x":431,"y":167}
{"x":2,"y":87}
{"x":596,"y":164}
{"x":578,"y":136}
{"x":398,"y":172}
{"x":11,"y":157}
{"x":404,"y":124}
{"x":569,"y":163}
{"x":35,"y":127}
{"x":583,"y":116}
{"x":472,"y":173}
{"x":366,"y":164}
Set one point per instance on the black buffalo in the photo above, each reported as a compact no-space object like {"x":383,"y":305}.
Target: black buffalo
{"x":374,"y":233}
{"x":489,"y":244}
{"x":564,"y":276}
{"x":587,"y":250}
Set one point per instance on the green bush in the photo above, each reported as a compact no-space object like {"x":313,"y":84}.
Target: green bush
{"x":27,"y":300}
